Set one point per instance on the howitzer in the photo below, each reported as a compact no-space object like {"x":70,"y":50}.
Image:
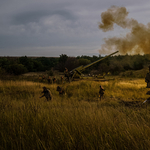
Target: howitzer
{"x":77,"y":72}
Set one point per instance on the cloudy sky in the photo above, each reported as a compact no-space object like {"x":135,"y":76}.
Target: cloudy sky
{"x":54,"y":27}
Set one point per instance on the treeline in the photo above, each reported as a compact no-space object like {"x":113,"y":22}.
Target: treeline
{"x":25,"y":64}
{"x":113,"y":64}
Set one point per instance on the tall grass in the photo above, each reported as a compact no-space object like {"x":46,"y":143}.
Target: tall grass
{"x":78,"y":120}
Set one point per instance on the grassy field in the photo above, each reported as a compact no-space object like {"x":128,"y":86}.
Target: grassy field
{"x":77,"y":120}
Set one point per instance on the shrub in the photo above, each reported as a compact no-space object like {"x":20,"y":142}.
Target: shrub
{"x":16,"y":69}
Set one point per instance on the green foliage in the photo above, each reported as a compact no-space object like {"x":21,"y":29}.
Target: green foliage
{"x":16,"y":69}
{"x":27,"y":62}
{"x":115,"y":67}
{"x":114,"y":64}
{"x":84,"y":61}
{"x":50,"y":73}
{"x":2,"y":71}
{"x":135,"y":74}
{"x":47,"y":63}
{"x":63,"y":58}
{"x":4,"y":62}
{"x":38,"y":66}
{"x":103,"y":68}
{"x":62,"y":62}
{"x":71,"y":63}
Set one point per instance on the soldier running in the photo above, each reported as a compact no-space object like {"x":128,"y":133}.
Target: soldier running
{"x":101,"y":92}
{"x":47,"y":94}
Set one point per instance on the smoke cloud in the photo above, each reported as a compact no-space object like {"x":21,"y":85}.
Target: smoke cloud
{"x":137,"y":41}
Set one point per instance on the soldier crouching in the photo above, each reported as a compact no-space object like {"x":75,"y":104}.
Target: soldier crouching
{"x":60,"y":90}
{"x":47,"y":94}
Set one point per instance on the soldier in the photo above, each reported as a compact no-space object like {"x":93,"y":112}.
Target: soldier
{"x":49,"y":79}
{"x":66,"y":72}
{"x":101,"y":92}
{"x":147,"y":79}
{"x":60,"y":90}
{"x":47,"y":94}
{"x":62,"y":79}
{"x":54,"y":80}
{"x":43,"y":77}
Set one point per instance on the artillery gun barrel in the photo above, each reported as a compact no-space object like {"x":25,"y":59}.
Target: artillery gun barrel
{"x":78,"y":71}
{"x":99,"y":60}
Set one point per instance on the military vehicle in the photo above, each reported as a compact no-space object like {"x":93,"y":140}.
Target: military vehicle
{"x":77,"y":72}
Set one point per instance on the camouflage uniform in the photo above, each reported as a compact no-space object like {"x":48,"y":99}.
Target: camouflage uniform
{"x":60,"y":90}
{"x":101,"y":92}
{"x":54,"y":80}
{"x":67,"y":74}
{"x":43,"y":77}
{"x":62,"y":79}
{"x":147,"y":78}
{"x":47,"y":93}
{"x":49,"y":79}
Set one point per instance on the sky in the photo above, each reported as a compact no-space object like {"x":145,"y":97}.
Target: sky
{"x":50,"y":28}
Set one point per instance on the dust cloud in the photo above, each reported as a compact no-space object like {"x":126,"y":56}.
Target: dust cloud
{"x":136,"y":41}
